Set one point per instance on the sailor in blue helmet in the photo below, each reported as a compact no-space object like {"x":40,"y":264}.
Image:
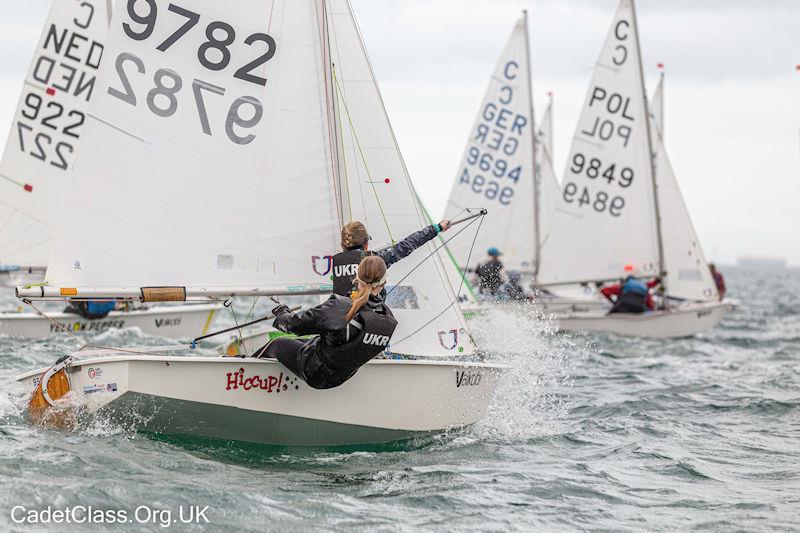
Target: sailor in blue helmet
{"x":632,"y":295}
{"x":490,"y":273}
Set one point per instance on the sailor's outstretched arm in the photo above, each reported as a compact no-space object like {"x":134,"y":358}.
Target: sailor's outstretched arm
{"x":404,"y":248}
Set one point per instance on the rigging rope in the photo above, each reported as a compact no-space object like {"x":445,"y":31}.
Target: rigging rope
{"x":458,"y":294}
{"x":363,"y":157}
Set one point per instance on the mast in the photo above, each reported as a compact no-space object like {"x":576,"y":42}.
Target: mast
{"x":109,"y":10}
{"x":336,"y":142}
{"x":536,"y":170}
{"x":651,"y":157}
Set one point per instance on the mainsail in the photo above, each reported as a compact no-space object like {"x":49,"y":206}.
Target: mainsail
{"x":47,"y":128}
{"x":206,"y":160}
{"x":497,"y":170}
{"x":242,"y":138}
{"x":606,"y":214}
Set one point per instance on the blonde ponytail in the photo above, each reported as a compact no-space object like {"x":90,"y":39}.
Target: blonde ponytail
{"x":371,"y":274}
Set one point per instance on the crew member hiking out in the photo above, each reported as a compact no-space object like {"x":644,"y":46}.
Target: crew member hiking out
{"x":355,"y":247}
{"x":349,"y":331}
{"x":632,"y":295}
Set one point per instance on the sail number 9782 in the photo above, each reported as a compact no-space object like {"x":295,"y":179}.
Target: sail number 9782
{"x":162,"y":99}
{"x":214,"y":54}
{"x":600,"y":202}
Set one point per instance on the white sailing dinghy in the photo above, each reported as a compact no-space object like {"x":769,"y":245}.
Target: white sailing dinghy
{"x":620,"y":206}
{"x":36,"y":164}
{"x":271,"y":108}
{"x":507,"y":166}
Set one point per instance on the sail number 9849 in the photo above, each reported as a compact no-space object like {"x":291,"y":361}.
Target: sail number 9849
{"x":600,"y":202}
{"x":593,"y":169}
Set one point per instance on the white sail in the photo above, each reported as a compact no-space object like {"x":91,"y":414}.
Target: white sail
{"x":47,"y":128}
{"x":496,"y":171}
{"x":378,"y":191}
{"x":545,"y":130}
{"x":605,"y":217}
{"x":684,"y":260}
{"x":688,"y":275}
{"x":206,"y":158}
{"x":657,"y":103}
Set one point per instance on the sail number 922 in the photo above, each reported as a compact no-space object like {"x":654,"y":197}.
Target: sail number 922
{"x":601,"y":202}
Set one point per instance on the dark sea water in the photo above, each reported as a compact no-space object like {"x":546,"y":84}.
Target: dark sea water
{"x":585,"y":433}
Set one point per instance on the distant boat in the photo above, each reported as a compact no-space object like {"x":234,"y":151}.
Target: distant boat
{"x":761,"y":262}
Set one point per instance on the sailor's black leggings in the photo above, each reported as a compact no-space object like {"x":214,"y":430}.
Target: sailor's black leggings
{"x":286,"y":351}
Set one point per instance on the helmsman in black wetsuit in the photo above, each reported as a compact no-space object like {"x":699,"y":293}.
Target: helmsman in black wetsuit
{"x":349,"y":331}
{"x":355,"y":247}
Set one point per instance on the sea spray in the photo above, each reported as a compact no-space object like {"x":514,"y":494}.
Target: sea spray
{"x":533,"y":394}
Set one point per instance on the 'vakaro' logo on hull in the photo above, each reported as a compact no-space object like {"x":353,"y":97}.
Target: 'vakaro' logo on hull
{"x":268,"y":384}
{"x":468,"y":379}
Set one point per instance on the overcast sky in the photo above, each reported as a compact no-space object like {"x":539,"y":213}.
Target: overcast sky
{"x":732,"y":97}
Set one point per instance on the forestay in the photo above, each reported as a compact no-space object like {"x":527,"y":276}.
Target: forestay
{"x":605,"y":218}
{"x":497,"y":169}
{"x":377,"y":190}
{"x":47,"y":128}
{"x":206,"y":158}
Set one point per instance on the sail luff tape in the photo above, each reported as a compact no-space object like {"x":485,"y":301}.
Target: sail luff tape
{"x":163,"y":294}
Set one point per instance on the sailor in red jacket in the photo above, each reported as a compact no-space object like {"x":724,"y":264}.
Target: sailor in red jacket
{"x":632,"y":295}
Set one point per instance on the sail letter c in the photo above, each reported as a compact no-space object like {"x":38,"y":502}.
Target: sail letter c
{"x":508,"y":70}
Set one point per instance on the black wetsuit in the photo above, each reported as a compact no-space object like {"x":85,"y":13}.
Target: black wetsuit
{"x":340,"y":348}
{"x":345,"y":264}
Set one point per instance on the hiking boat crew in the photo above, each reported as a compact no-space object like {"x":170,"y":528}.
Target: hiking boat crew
{"x":632,"y":295}
{"x":349,"y":332}
{"x":355,"y":247}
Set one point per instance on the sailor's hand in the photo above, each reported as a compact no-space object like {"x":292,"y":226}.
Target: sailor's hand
{"x":280,"y":310}
{"x":444,"y":225}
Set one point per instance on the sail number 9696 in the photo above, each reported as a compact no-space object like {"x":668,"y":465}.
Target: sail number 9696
{"x":489,"y":188}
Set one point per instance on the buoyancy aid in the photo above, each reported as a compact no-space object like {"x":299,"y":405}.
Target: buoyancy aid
{"x":632,"y":298}
{"x":345,"y":268}
{"x":369,"y":334}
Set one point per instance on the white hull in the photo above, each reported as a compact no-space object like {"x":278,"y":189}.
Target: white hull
{"x":683,"y":321}
{"x":259,"y":401}
{"x":177,"y":322}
